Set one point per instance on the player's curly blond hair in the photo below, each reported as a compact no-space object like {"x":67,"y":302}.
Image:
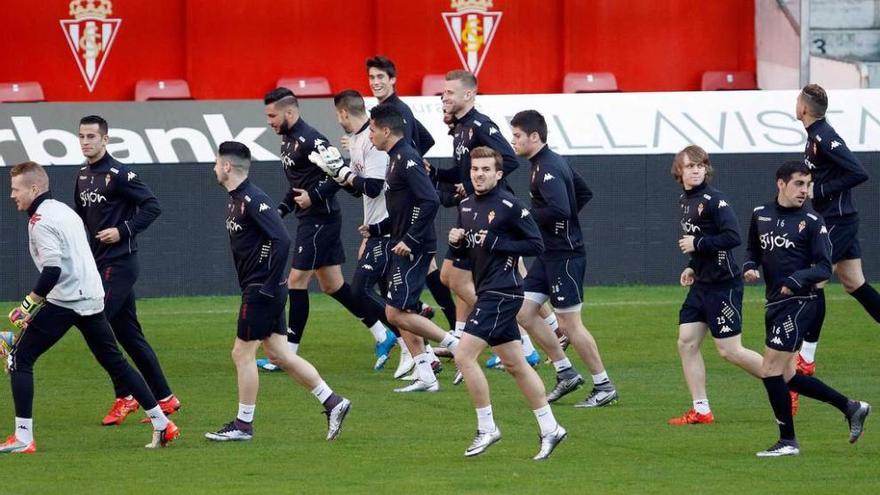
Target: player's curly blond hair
{"x":695,"y":154}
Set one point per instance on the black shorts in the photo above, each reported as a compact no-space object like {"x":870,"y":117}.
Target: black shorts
{"x":786,"y":322}
{"x":719,"y":308}
{"x":844,"y":238}
{"x":460,"y":262}
{"x":407,"y":280}
{"x":559,"y":279}
{"x":494,"y":318}
{"x":317,"y":245}
{"x":260,"y":316}
{"x":375,"y":262}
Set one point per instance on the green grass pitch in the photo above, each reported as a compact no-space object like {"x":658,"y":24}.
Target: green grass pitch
{"x":395,"y":443}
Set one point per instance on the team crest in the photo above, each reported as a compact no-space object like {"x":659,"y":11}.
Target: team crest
{"x":491,"y":216}
{"x":802,"y":226}
{"x":471,"y":28}
{"x":90,"y":35}
{"x":107,"y":180}
{"x":699,"y":209}
{"x":242,"y":208}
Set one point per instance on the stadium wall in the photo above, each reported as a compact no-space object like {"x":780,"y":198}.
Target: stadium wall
{"x":233,"y":49}
{"x":622,"y":144}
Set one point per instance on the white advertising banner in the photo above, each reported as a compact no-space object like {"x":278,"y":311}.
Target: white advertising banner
{"x":579,"y":124}
{"x":659,"y":123}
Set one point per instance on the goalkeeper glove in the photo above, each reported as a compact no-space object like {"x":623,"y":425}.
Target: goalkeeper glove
{"x":7,"y":341}
{"x":23,"y":314}
{"x":330,"y":161}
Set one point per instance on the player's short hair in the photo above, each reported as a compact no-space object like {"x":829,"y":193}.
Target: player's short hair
{"x":32,"y":170}
{"x":387,"y":117}
{"x":531,"y":121}
{"x":816,"y":99}
{"x":281,"y":97}
{"x":467,"y":78}
{"x":96,"y":119}
{"x":788,"y":169}
{"x":487,"y":152}
{"x":697,"y":155}
{"x":351,"y":101}
{"x":237,"y":153}
{"x":382,"y":63}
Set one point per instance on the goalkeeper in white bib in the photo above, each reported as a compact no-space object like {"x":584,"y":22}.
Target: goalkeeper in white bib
{"x":68,"y":293}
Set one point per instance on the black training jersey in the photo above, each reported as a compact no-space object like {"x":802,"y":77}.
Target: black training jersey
{"x":413,"y":130}
{"x":411,"y":200}
{"x":258,"y":239}
{"x":498,"y":230}
{"x":556,"y":203}
{"x":706,"y":215}
{"x":109,"y":194}
{"x":296,"y":146}
{"x":835,"y":171}
{"x":474,"y":129}
{"x":792,"y":247}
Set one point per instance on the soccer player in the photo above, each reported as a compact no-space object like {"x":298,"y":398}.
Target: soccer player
{"x":835,"y":171}
{"x":312,"y":198}
{"x":493,"y":230}
{"x":67,"y":293}
{"x":412,"y":205}
{"x":382,"y":74}
{"x":365,"y":176}
{"x":714,"y":302}
{"x":789,"y":243}
{"x":260,"y":245}
{"x":470,"y":130}
{"x":558,"y":273}
{"x":115,"y":206}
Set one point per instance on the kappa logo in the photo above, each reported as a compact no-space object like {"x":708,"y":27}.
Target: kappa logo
{"x":36,"y":217}
{"x":90,"y":34}
{"x":472,"y":28}
{"x":835,"y":144}
{"x":318,"y":142}
{"x":131,"y":175}
{"x":368,"y":267}
{"x":722,"y":203}
{"x":726,"y":329}
{"x":823,"y":230}
{"x":263,"y":207}
{"x":524,"y":213}
{"x":776,"y":340}
{"x":492,"y":131}
{"x":547,"y":177}
{"x":410,"y":163}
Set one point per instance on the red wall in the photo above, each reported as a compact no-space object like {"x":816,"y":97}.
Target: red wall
{"x":235,"y":49}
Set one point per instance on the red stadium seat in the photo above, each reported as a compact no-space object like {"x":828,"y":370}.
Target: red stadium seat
{"x":724,"y":80}
{"x":432,"y":84}
{"x":306,"y":86}
{"x":589,"y":82}
{"x":26,"y":91}
{"x":167,"y":89}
